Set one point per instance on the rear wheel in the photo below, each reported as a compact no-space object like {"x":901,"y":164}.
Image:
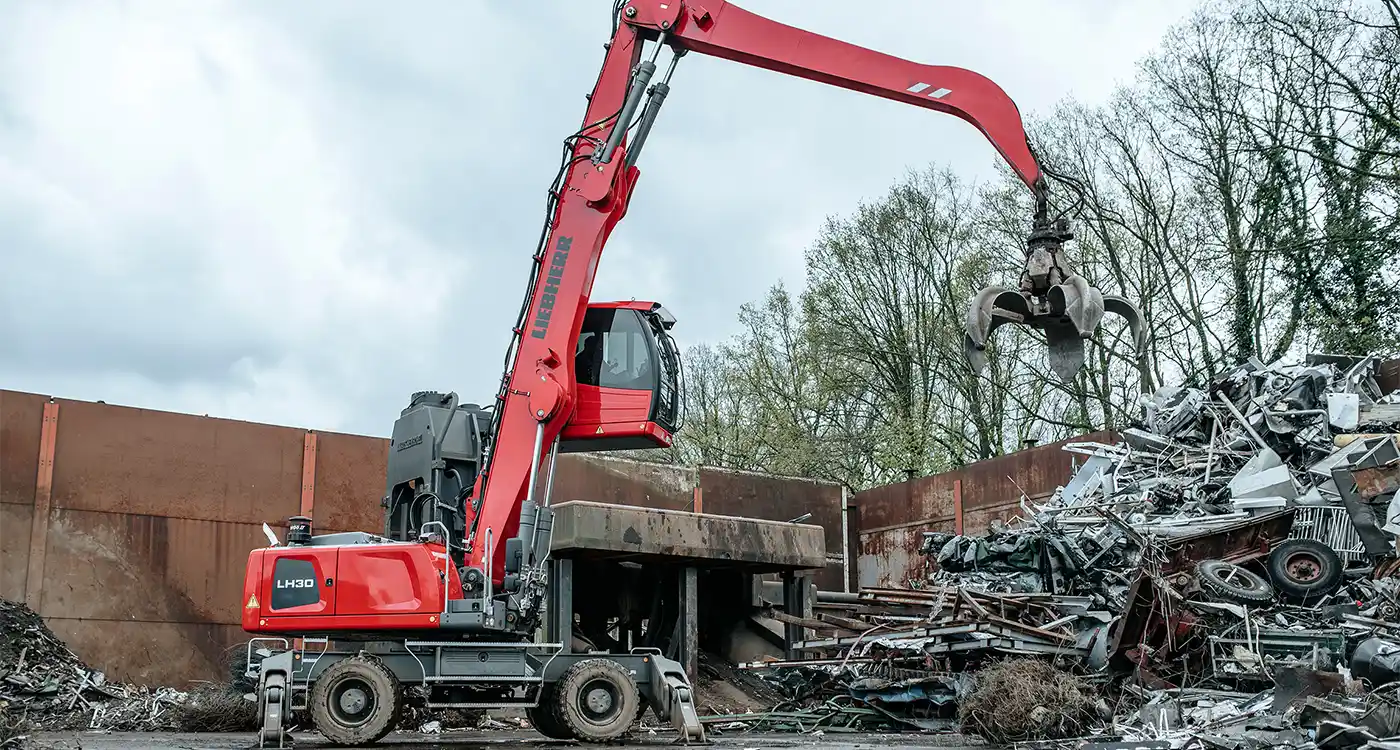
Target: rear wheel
{"x":597,"y":700}
{"x":545,"y":716}
{"x":356,"y":701}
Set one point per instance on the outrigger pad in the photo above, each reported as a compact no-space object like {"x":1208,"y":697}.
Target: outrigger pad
{"x":675,"y":699}
{"x":274,"y":698}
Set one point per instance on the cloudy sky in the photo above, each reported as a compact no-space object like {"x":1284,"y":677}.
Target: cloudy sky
{"x":300,"y":213}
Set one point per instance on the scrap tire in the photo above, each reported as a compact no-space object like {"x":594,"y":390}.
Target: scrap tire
{"x":596,"y":700}
{"x":356,"y":701}
{"x":545,"y":716}
{"x":1233,"y":583}
{"x":1305,"y":570}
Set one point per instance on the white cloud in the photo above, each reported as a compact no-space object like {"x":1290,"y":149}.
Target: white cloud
{"x":301,"y":213}
{"x":190,"y":228}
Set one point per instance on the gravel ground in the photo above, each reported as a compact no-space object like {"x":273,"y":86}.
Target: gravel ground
{"x":495,"y":740}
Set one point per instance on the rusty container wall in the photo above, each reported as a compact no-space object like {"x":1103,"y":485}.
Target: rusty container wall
{"x":349,"y":486}
{"x":603,"y":479}
{"x":152,"y":515}
{"x":776,"y":498}
{"x":21,"y":423}
{"x":893,"y":517}
{"x":1388,"y":375}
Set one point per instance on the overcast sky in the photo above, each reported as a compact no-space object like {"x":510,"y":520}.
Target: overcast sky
{"x":301,"y":212}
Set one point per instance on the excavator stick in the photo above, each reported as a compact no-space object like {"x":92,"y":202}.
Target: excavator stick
{"x":1053,"y":299}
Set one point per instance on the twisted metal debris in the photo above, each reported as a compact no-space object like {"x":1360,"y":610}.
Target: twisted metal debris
{"x":1225,"y":574}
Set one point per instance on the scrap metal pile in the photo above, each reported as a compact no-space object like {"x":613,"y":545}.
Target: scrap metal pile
{"x":1228,"y":565}
{"x":44,"y":686}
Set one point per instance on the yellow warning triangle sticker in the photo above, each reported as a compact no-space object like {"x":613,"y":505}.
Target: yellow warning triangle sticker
{"x":252,"y":602}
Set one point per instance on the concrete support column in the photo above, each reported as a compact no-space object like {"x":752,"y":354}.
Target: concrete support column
{"x":795,"y":602}
{"x":690,"y":622}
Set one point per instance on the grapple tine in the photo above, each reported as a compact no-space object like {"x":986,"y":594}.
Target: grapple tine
{"x":1128,"y":312}
{"x":1066,"y":353}
{"x":990,"y":308}
{"x":979,"y":323}
{"x":1079,"y":303}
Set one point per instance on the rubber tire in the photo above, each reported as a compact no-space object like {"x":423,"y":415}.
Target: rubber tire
{"x":545,"y":717}
{"x":1289,"y":586}
{"x":1258,"y":591}
{"x":387,"y":694}
{"x":569,"y":699}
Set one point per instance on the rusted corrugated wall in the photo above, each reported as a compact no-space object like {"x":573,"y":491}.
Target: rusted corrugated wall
{"x":893,"y":517}
{"x":135,"y":555}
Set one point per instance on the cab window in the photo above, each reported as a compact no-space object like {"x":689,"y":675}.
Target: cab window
{"x":614,"y":351}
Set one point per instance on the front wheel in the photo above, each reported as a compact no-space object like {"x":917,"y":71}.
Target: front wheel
{"x":597,"y":700}
{"x":356,"y":701}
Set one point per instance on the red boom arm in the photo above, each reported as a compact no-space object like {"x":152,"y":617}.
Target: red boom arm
{"x":539,"y":392}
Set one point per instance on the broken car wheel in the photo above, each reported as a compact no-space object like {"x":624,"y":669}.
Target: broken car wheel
{"x":355,"y":701}
{"x":545,"y":716}
{"x":1304,"y":569}
{"x":1233,"y":583}
{"x":597,"y":700}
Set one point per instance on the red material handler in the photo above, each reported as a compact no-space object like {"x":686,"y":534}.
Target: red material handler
{"x":540,"y":387}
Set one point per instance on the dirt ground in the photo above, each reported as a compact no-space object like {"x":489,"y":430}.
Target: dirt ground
{"x":722,"y":688}
{"x":495,"y":740}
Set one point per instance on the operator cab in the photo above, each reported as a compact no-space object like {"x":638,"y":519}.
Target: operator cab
{"x":628,"y":372}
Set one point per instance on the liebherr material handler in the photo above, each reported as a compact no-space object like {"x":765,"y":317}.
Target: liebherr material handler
{"x":450,"y":596}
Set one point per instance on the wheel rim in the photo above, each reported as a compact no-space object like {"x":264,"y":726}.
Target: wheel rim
{"x":599,"y":701}
{"x":1303,"y":567}
{"x":1229,"y":575}
{"x":351,"y":702}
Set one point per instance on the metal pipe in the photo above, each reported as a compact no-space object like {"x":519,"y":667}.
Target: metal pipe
{"x":437,"y":446}
{"x":845,"y":540}
{"x":1243,"y":422}
{"x":1210,"y":447}
{"x":447,"y":545}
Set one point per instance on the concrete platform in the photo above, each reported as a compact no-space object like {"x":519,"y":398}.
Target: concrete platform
{"x":587,"y":530}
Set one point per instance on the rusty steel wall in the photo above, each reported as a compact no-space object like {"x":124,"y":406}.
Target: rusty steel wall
{"x":774,"y":498}
{"x":138,"y":561}
{"x":604,"y":479}
{"x":20,"y":418}
{"x":152,"y":514}
{"x":893,"y":517}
